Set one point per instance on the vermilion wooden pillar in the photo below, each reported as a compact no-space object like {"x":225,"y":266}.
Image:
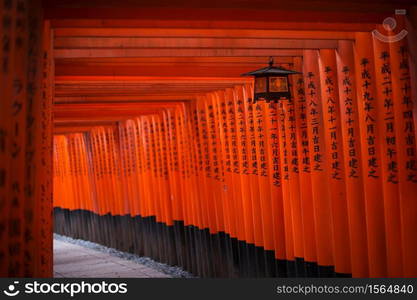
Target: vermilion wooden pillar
{"x":389,"y":157}
{"x":302,"y":137}
{"x":371,"y":154}
{"x":321,"y":197}
{"x":352,"y":157}
{"x":404,"y":117}
{"x":25,"y":141}
{"x":335,"y":155}
{"x":43,"y":176}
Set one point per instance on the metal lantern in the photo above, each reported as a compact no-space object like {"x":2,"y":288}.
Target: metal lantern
{"x":271,"y":83}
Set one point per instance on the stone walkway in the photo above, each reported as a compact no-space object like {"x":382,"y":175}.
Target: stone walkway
{"x":72,"y":260}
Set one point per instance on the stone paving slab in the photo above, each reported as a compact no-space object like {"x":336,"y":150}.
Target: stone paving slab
{"x":72,"y":260}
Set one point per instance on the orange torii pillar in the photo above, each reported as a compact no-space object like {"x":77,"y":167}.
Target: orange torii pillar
{"x":25,"y":141}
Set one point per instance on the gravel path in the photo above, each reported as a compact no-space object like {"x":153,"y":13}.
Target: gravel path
{"x":79,"y":258}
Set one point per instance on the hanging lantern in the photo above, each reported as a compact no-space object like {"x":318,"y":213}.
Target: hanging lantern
{"x":271,"y":83}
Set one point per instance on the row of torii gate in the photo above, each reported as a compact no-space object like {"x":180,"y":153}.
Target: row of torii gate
{"x":131,"y":123}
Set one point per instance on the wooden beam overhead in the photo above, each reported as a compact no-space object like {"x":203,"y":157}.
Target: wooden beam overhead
{"x":162,"y":97}
{"x":97,"y":90}
{"x":108,"y":111}
{"x":161,"y":52}
{"x":112,"y":107}
{"x":277,"y":24}
{"x":60,"y":130}
{"x":312,"y":5}
{"x":179,"y":43}
{"x":221,"y":60}
{"x":200,"y":33}
{"x":60,"y":123}
{"x":120,"y":59}
{"x":170,"y":70}
{"x":141,"y":92}
{"x":156,"y":79}
{"x":125,"y":87}
{"x":204,"y":66}
{"x":342,"y":14}
{"x":64,"y":127}
{"x":108,"y":118}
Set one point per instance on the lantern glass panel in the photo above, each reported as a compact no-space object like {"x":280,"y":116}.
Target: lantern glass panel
{"x":278,"y":84}
{"x":260,"y":85}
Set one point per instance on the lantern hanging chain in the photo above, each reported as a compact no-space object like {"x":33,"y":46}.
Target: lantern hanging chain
{"x":271,"y":61}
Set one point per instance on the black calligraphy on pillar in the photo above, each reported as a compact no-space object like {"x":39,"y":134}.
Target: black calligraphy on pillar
{"x":302,"y":116}
{"x":292,"y":129}
{"x":174,"y":140}
{"x":390,"y":137}
{"x":204,"y":135}
{"x":234,"y":152}
{"x":407,"y":112}
{"x":252,"y":138}
{"x":139,"y":148}
{"x":283,"y":136}
{"x":228,"y":156}
{"x":274,"y":143}
{"x":6,"y":10}
{"x":213,"y":140}
{"x":131,"y":139}
{"x":370,"y":120}
{"x":349,"y":111}
{"x":332,"y":115}
{"x":187,"y":156}
{"x":160,"y":171}
{"x":197,"y":136}
{"x":242,"y":135}
{"x":311,"y":94}
{"x":15,"y":28}
{"x":147,"y":147}
{"x":260,"y":135}
{"x":164,"y":148}
{"x":30,"y":23}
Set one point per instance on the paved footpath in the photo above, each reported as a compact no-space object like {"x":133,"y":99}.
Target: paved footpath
{"x":72,"y":260}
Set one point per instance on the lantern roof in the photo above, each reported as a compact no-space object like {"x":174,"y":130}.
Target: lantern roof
{"x":270,"y":70}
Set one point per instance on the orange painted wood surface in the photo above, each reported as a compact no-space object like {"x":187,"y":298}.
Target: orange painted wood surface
{"x":26,"y":84}
{"x":296,"y":178}
{"x":153,"y":119}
